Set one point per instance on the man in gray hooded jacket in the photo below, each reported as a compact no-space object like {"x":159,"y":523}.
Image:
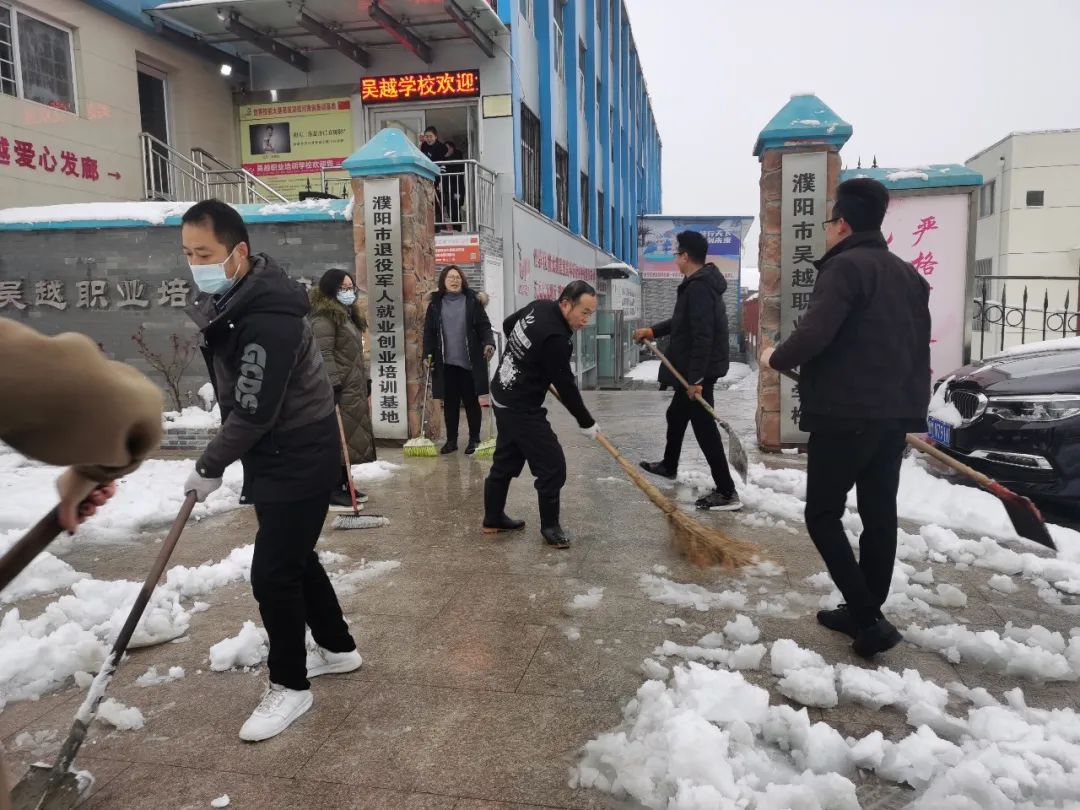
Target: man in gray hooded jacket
{"x":277,"y":419}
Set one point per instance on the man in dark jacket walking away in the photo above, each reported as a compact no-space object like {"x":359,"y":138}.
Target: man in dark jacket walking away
{"x":864,"y":352}
{"x":539,"y":344}
{"x":277,"y":418}
{"x":699,"y":350}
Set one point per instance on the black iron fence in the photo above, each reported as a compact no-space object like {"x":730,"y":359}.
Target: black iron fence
{"x":1015,"y":310}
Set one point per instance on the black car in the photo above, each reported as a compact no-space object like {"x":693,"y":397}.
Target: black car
{"x":1018,"y":420}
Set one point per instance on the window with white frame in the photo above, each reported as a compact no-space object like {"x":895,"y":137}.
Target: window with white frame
{"x":582,"y":54}
{"x":986,"y":199}
{"x":559,"y":44}
{"x":36,"y":60}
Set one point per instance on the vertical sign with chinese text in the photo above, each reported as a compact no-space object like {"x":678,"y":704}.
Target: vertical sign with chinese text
{"x":802,"y":242}
{"x":931,"y":232}
{"x":386,"y":308}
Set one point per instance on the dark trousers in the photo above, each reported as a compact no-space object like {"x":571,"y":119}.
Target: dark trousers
{"x":525,"y":436}
{"x":292,"y":588}
{"x":869,"y":460}
{"x":458,"y":388}
{"x":684,"y":411}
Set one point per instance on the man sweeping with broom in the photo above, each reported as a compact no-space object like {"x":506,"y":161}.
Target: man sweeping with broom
{"x":537,"y":357}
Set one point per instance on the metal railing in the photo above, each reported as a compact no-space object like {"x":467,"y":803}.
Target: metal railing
{"x":997,"y":324}
{"x":464,"y":195}
{"x":231,"y":184}
{"x":171,"y":175}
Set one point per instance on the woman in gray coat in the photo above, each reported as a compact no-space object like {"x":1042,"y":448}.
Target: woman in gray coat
{"x":339,"y":324}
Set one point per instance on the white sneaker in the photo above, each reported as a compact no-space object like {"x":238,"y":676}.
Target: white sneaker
{"x":324,"y":662}
{"x":276,"y":711}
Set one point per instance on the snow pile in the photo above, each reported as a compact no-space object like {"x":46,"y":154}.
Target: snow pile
{"x":248,"y":648}
{"x":707,"y":738}
{"x":586,"y":601}
{"x":73,"y":634}
{"x":206,"y":396}
{"x":151,"y":677}
{"x":742,"y":630}
{"x":1003,"y":584}
{"x":654,"y":670}
{"x":907,"y":174}
{"x":152,"y":213}
{"x":191,"y":418}
{"x":1034,"y":653}
{"x":124,"y":718}
{"x":667,"y":592}
{"x":220,"y":801}
{"x":710,"y":739}
{"x":645,"y":371}
{"x":374,"y":471}
{"x":149,"y":497}
{"x":944,"y":411}
{"x":811,"y":686}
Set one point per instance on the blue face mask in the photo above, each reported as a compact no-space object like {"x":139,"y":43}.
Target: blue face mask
{"x":346,"y":297}
{"x":211,"y":278}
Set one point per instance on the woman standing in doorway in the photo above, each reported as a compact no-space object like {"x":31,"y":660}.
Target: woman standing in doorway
{"x":339,"y":324}
{"x":459,"y":341}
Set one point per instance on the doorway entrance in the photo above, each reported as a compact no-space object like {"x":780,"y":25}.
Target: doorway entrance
{"x":154,"y":120}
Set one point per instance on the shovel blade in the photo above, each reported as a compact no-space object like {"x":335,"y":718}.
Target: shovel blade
{"x":33,"y":793}
{"x":1027,"y":520}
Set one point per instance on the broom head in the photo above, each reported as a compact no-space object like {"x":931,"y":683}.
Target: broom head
{"x":358,"y":521}
{"x":420,"y":447}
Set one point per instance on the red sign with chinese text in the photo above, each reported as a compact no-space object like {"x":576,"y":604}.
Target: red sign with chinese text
{"x":422,"y":86}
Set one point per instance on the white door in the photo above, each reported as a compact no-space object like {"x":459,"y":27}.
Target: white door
{"x":410,"y":122}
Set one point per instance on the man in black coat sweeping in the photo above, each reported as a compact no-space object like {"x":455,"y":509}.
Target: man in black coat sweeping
{"x":539,"y":344}
{"x":863,"y":347}
{"x":699,"y":350}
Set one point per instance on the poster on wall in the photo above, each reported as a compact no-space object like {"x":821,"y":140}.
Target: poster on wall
{"x":386,"y":308}
{"x":802,"y":242}
{"x":932,"y":233}
{"x":656,"y":244}
{"x":285,"y":144}
{"x":546,"y":259}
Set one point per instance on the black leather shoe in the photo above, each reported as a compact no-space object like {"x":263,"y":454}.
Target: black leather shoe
{"x":470,"y":448}
{"x":877,"y":638}
{"x":503,"y":523}
{"x":658,"y":468}
{"x":555,"y":537}
{"x":839,"y":620}
{"x":449,"y":447}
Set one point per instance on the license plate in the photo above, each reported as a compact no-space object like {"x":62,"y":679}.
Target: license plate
{"x":939,"y":431}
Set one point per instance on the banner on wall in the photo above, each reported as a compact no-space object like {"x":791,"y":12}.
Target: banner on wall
{"x":931,"y":232}
{"x":656,"y":244}
{"x":285,"y":144}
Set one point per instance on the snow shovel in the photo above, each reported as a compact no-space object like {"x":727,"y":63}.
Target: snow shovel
{"x":355,"y":520}
{"x":58,"y":787}
{"x":1026,"y":518}
{"x":735,"y":448}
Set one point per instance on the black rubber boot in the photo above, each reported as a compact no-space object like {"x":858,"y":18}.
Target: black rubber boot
{"x":495,"y":518}
{"x":550,"y":529}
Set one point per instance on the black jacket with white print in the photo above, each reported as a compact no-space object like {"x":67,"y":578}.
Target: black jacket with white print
{"x":539,"y":345}
{"x":277,"y":404}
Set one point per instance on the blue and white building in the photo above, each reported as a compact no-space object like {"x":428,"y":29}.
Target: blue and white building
{"x":552,"y":115}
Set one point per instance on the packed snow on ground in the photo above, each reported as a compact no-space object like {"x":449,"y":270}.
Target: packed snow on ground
{"x":697,"y":737}
{"x":374,"y":471}
{"x":588,"y":600}
{"x":191,"y":418}
{"x":347,"y":581}
{"x":121,"y":717}
{"x":152,"y":678}
{"x":248,"y":648}
{"x":149,"y":497}
{"x":645,"y":371}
